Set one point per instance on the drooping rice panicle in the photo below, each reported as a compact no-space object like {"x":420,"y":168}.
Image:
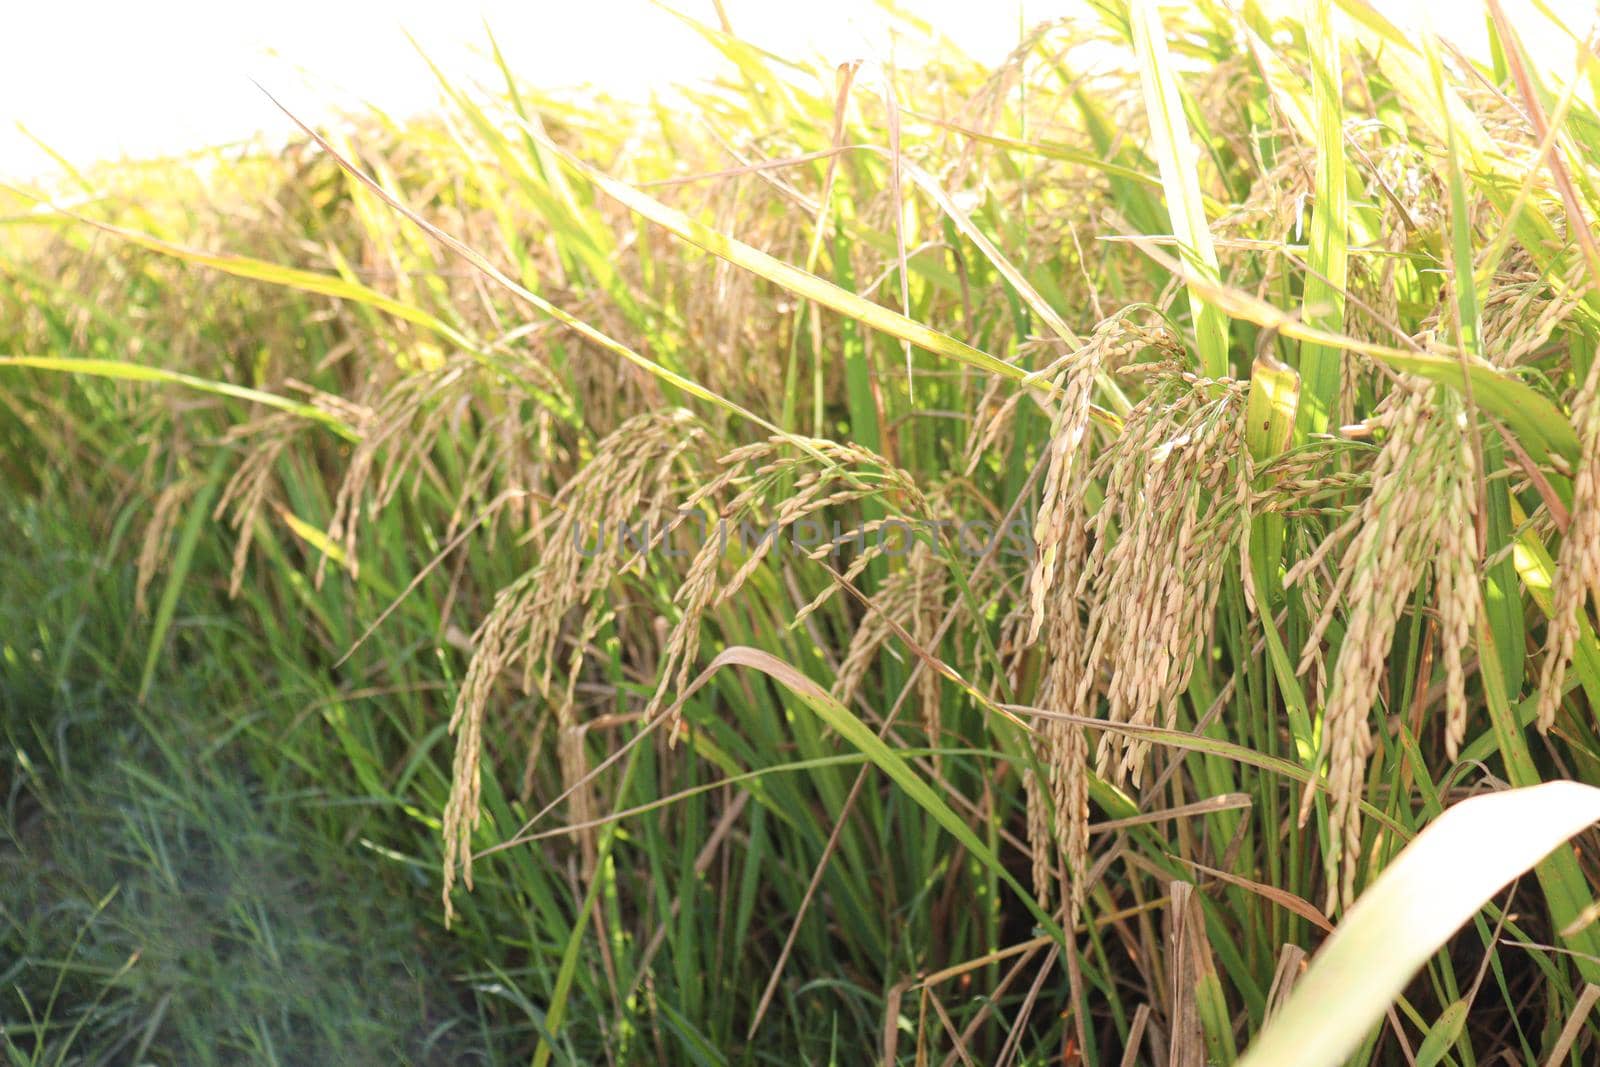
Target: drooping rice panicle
{"x":1578,"y":561}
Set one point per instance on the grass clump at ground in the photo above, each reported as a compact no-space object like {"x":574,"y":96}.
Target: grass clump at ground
{"x":962,"y":563}
{"x":162,"y":900}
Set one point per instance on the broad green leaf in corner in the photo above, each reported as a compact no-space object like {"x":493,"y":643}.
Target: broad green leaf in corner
{"x":1431,"y":889}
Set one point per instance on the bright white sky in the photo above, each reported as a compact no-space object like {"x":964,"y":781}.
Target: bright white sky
{"x":100,"y":79}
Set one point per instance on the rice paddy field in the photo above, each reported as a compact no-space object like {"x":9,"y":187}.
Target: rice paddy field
{"x":1085,"y":561}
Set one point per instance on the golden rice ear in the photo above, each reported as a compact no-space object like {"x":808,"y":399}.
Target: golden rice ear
{"x":1175,"y":499}
{"x":244,"y":497}
{"x":634,"y":478}
{"x":154,"y":546}
{"x":1456,"y":567}
{"x":853,"y":473}
{"x":1058,"y":534}
{"x":1038,"y":836}
{"x":408,"y":418}
{"x":1419,"y":513}
{"x":1578,"y":562}
{"x":909,"y":604}
{"x":1069,"y":788}
{"x":1072,"y":587}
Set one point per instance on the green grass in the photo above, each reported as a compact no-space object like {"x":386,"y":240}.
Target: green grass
{"x":344,"y":395}
{"x":164,"y":900}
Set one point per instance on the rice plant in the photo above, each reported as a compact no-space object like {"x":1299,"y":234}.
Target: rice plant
{"x":986,"y":565}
